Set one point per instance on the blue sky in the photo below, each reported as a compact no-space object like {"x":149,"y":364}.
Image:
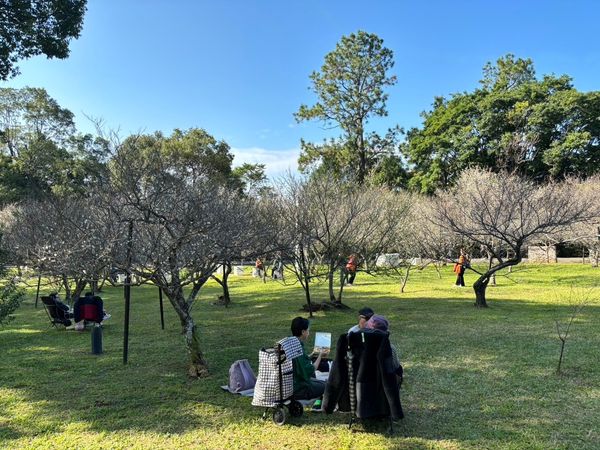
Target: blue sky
{"x":240,"y":69}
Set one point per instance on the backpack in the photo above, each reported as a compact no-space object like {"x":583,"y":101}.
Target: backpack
{"x":241,"y":376}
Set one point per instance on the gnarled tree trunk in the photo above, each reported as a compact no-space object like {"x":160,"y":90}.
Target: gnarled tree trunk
{"x":482,"y":282}
{"x":479,"y":287}
{"x":198,"y":366}
{"x":223,"y":282}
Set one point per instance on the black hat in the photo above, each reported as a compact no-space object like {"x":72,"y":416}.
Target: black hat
{"x":366,"y":312}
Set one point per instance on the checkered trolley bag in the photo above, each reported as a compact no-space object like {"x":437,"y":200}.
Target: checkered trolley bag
{"x":275,"y":382}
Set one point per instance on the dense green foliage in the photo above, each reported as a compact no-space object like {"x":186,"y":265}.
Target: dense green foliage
{"x":34,"y":27}
{"x":40,"y":151}
{"x":542,"y":128}
{"x":474,"y":378}
{"x":350,"y":91}
{"x":514,"y":121}
{"x":190,"y":155}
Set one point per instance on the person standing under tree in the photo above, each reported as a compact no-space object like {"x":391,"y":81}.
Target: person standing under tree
{"x":277,"y":269}
{"x":460,"y":267}
{"x":259,"y":268}
{"x":351,"y":267}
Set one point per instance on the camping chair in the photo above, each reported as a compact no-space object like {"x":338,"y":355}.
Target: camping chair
{"x":56,"y":315}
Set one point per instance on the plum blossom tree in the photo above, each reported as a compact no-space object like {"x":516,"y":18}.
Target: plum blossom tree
{"x":184,"y":219}
{"x":484,"y":207}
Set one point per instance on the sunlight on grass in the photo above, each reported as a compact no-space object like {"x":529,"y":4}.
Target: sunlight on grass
{"x":473,"y":378}
{"x":20,"y":331}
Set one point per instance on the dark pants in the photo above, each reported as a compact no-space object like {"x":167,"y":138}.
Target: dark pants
{"x":349,"y":276}
{"x":315,"y":389}
{"x":460,"y":279}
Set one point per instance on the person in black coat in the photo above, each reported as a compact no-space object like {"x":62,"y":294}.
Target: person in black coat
{"x":90,"y":299}
{"x":65,"y":309}
{"x":370,"y":388}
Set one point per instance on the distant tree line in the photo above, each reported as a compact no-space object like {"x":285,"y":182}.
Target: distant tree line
{"x":543,"y":129}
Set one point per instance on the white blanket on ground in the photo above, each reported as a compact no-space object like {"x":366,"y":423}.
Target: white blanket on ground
{"x":246,"y":393}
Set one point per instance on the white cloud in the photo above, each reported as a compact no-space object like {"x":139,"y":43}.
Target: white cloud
{"x":277,"y":162}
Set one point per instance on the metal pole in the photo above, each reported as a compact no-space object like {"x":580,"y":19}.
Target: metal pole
{"x":162,"y":315}
{"x":37,"y":294}
{"x":127,"y":293}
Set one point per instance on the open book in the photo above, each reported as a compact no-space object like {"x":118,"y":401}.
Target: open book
{"x":322,"y":342}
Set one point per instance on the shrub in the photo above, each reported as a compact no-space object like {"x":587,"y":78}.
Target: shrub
{"x":11,"y":297}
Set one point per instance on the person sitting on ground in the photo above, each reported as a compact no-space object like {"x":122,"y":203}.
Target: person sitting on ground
{"x":377,"y":322}
{"x":364,"y":314}
{"x":68,"y":313}
{"x":88,"y":299}
{"x":306,"y":386}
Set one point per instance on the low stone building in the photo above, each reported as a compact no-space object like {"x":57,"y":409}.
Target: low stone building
{"x":541,"y":254}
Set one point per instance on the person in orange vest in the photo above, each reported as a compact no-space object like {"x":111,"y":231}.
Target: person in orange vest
{"x":351,"y":266}
{"x":460,"y":267}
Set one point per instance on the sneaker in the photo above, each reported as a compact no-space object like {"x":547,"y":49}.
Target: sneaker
{"x":106,"y":317}
{"x":317,"y":406}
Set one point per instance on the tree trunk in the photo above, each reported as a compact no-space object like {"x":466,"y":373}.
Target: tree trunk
{"x":226,"y":271}
{"x":362,"y":154}
{"x":198,"y":366}
{"x":306,"y":286}
{"x":479,"y":287}
{"x":490,"y":262}
{"x":482,"y":282}
{"x":438,"y":269}
{"x":342,"y":283}
{"x":67,"y":286}
{"x":94,"y":285}
{"x":224,"y":299}
{"x":405,"y":279}
{"x":101,"y":285}
{"x":330,"y":275}
{"x":79,"y":287}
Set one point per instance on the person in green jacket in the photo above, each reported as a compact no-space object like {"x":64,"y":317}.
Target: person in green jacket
{"x":306,"y":386}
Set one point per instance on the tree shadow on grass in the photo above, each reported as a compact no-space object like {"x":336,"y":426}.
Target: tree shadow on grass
{"x":8,"y":433}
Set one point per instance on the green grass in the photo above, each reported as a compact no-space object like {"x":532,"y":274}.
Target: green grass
{"x":473,"y":378}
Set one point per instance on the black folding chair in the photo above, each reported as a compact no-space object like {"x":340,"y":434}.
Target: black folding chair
{"x":56,"y":315}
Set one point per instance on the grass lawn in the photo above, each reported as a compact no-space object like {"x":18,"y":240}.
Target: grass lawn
{"x":473,"y":378}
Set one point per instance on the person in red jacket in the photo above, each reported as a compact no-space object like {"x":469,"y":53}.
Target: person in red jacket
{"x":259,"y":267}
{"x":351,"y":267}
{"x":460,"y":267}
